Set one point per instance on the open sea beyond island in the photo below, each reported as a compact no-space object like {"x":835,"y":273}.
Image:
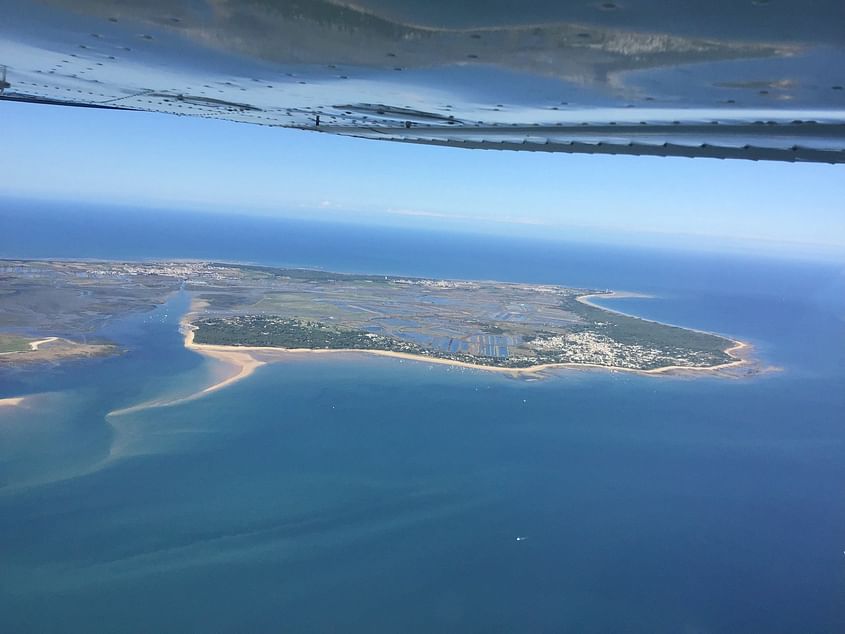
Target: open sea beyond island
{"x":365,"y":494}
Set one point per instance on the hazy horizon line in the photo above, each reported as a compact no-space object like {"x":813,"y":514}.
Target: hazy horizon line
{"x":466,"y":225}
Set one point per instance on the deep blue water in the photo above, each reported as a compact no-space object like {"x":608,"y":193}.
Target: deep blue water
{"x":370,"y":495}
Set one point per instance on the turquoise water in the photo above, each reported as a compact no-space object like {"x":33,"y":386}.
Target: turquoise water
{"x":365,"y":494}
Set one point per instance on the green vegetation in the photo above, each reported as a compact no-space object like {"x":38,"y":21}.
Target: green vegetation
{"x":277,"y":332}
{"x":13,"y":343}
{"x":517,"y":325}
{"x":601,"y":338}
{"x":222,"y":301}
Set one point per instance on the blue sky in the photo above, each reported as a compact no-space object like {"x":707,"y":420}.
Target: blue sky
{"x":175,"y":162}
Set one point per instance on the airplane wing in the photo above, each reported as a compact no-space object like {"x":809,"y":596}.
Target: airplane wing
{"x":746,"y":79}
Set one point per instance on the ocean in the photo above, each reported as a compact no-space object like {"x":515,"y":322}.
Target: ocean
{"x":359,"y":494}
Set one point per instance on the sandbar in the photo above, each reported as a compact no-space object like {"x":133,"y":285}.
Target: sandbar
{"x":240,"y":358}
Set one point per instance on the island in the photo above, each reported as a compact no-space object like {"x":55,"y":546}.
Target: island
{"x":242,"y":308}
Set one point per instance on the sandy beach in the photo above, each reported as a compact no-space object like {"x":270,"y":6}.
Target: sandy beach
{"x":585,"y":299}
{"x":12,"y":401}
{"x":240,"y":359}
{"x":241,"y":364}
{"x":244,"y":359}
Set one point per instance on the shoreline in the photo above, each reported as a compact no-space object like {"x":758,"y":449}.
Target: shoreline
{"x":242,"y":357}
{"x":584,"y":299}
{"x":228,"y":353}
{"x":12,"y":401}
{"x":245,"y":360}
{"x":243,"y":363}
{"x":34,"y":346}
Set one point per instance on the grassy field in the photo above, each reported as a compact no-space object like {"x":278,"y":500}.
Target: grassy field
{"x":13,"y":343}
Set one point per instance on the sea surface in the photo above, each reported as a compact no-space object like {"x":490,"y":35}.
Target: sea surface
{"x":358,"y":494}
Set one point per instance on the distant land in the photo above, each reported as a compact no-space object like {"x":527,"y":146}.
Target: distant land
{"x":53,"y":310}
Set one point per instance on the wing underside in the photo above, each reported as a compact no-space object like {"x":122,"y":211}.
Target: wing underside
{"x":730,"y":80}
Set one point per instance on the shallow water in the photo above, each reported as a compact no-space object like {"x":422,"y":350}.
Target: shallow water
{"x":370,"y":494}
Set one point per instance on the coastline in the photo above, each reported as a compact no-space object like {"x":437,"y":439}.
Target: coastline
{"x":584,"y":299}
{"x":12,"y":401}
{"x":239,"y":358}
{"x":232,"y":355}
{"x":243,"y":364}
{"x":244,"y":359}
{"x":59,"y":349}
